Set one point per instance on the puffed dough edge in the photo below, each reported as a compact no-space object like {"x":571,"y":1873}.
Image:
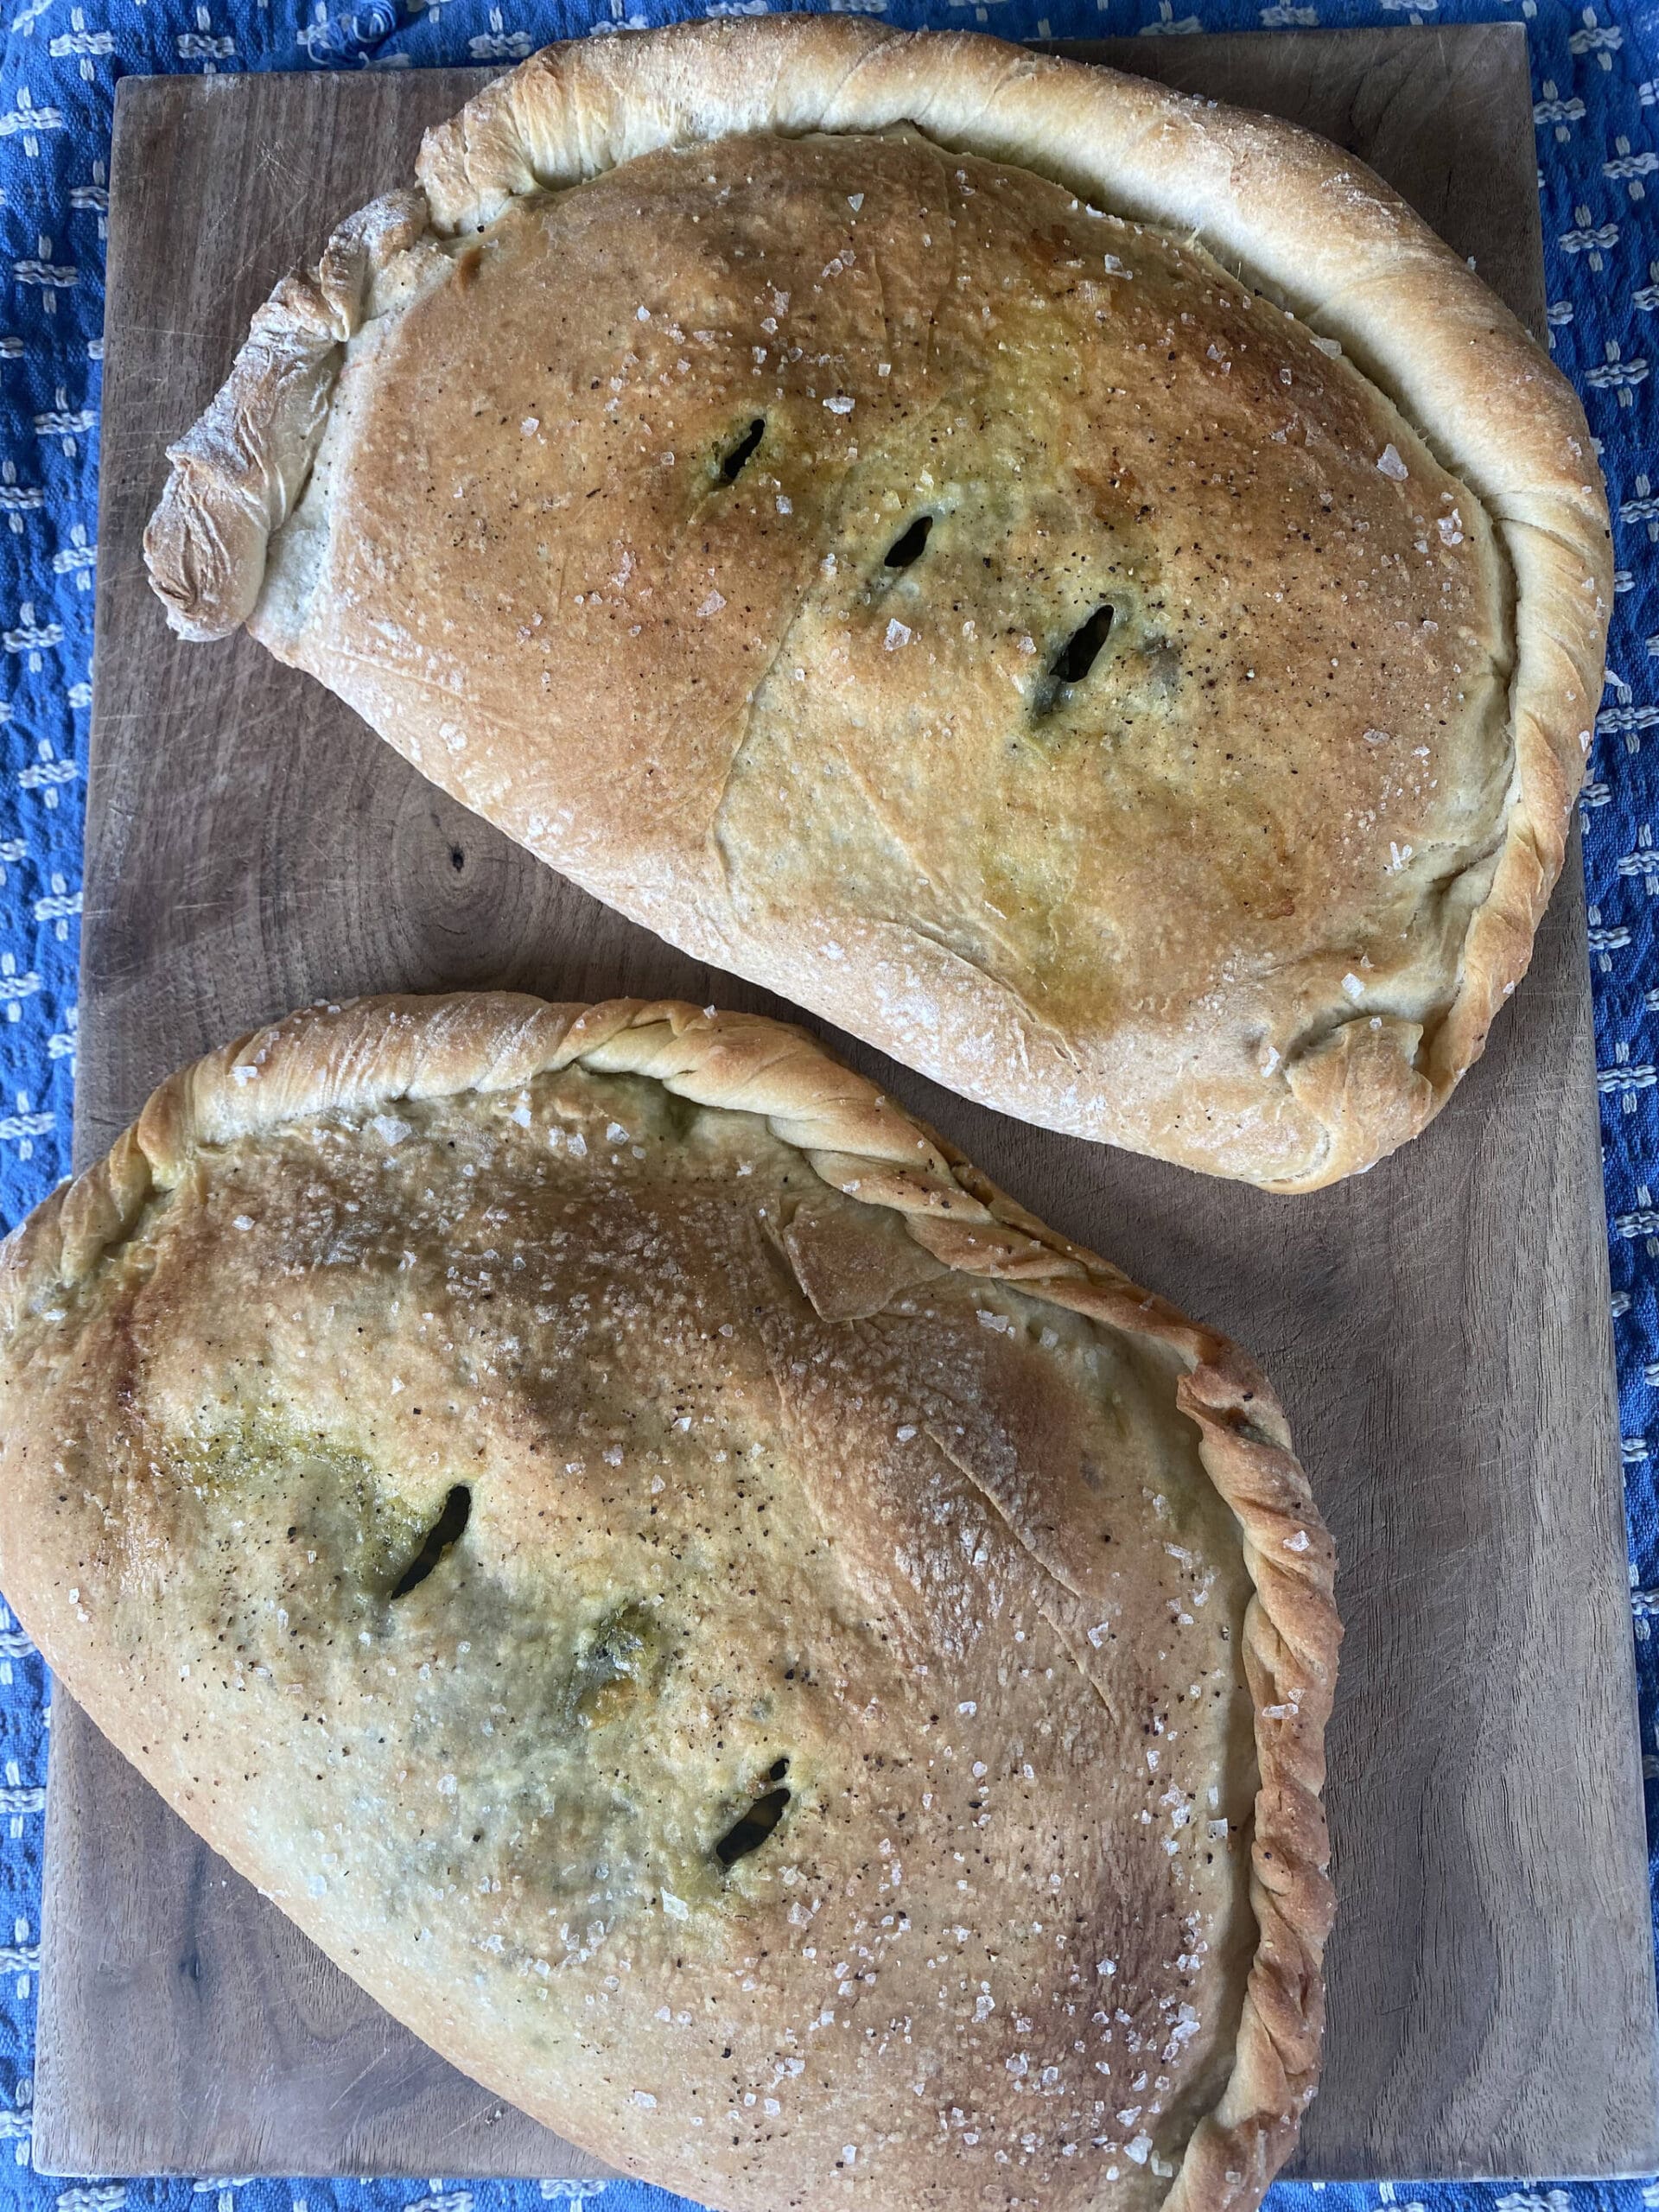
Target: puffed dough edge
{"x":376,"y":1052}
{"x":1304,"y":224}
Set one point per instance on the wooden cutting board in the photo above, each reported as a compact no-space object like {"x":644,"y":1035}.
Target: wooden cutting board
{"x":1438,"y":1329}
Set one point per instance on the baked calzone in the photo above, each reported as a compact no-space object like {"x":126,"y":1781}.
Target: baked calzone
{"x":1075,"y":584}
{"x":762,"y":1653}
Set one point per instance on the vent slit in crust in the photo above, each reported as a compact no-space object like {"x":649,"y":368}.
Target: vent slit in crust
{"x":440,"y":1539}
{"x":738,"y":459}
{"x":752,"y":1828}
{"x":1075,"y":659}
{"x":908,"y":546}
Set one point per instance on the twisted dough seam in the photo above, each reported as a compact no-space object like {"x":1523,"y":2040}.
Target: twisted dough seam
{"x":377,"y":1053}
{"x":239,"y":471}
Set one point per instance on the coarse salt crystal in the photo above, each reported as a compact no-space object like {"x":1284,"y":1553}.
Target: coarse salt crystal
{"x":1390,"y":465}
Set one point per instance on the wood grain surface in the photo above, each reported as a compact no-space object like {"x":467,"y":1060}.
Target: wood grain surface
{"x":1438,"y":1329}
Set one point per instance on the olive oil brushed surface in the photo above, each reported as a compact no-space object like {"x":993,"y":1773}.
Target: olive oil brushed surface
{"x":1438,"y":1329}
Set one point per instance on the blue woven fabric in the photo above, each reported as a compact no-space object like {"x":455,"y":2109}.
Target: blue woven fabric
{"x":1596,"y":83}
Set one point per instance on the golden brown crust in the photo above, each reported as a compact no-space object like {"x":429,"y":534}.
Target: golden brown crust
{"x":377,"y":1053}
{"x":1305,"y":226}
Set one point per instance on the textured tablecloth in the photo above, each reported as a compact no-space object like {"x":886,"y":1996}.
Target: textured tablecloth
{"x":1596,"y":86}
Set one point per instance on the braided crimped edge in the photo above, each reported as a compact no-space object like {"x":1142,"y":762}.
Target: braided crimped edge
{"x":377,"y":1052}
